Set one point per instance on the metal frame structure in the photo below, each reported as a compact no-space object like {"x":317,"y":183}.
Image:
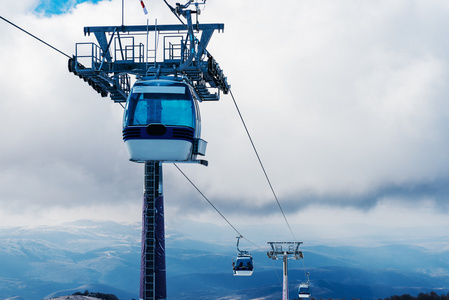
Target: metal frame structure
{"x":240,"y":252}
{"x":124,"y":50}
{"x":123,"y":54}
{"x":285,"y":249}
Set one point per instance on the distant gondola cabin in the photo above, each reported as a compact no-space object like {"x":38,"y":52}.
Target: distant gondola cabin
{"x":304,"y":291}
{"x":244,"y":265}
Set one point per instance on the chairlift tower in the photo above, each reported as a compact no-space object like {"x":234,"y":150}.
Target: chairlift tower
{"x":124,"y":54}
{"x":285,"y":250}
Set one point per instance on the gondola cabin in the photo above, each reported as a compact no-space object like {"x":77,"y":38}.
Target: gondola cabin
{"x":303,"y":291}
{"x":244,"y":265}
{"x":162,"y":122}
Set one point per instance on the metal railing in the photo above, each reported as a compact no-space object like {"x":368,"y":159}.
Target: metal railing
{"x":89,"y":55}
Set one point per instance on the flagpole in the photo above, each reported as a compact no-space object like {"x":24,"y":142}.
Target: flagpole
{"x":123,"y":12}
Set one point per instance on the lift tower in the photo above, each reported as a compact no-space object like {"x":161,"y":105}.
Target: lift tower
{"x":286,"y":250}
{"x":124,"y":54}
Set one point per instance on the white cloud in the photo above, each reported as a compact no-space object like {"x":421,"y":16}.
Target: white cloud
{"x":345,"y":102}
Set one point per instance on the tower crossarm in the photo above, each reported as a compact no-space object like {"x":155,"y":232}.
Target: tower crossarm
{"x":282,"y":249}
{"x":144,"y":28}
{"x":121,"y":51}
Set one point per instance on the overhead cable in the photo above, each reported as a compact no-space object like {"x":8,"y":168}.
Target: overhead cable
{"x":249,"y":136}
{"x":173,"y":10}
{"x":261,"y":165}
{"x":56,"y":49}
{"x":214,"y":207}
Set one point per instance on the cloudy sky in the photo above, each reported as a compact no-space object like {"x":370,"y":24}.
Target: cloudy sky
{"x":346,"y":102}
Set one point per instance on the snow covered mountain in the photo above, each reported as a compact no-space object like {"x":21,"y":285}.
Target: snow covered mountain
{"x":51,"y":261}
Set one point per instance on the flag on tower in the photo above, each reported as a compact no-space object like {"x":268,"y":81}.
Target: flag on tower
{"x":143,"y":6}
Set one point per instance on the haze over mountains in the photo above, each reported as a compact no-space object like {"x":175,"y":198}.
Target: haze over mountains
{"x":50,"y":261}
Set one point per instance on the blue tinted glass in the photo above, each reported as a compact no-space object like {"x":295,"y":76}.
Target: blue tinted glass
{"x":244,"y":263}
{"x":164,"y":108}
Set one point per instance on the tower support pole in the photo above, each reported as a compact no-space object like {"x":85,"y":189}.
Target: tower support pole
{"x":285,"y":249}
{"x":152,"y":270}
{"x":285,"y":277}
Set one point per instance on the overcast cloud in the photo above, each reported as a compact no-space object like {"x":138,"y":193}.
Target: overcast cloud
{"x":346,"y":102}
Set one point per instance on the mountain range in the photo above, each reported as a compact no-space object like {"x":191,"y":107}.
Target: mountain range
{"x":49,"y":261}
